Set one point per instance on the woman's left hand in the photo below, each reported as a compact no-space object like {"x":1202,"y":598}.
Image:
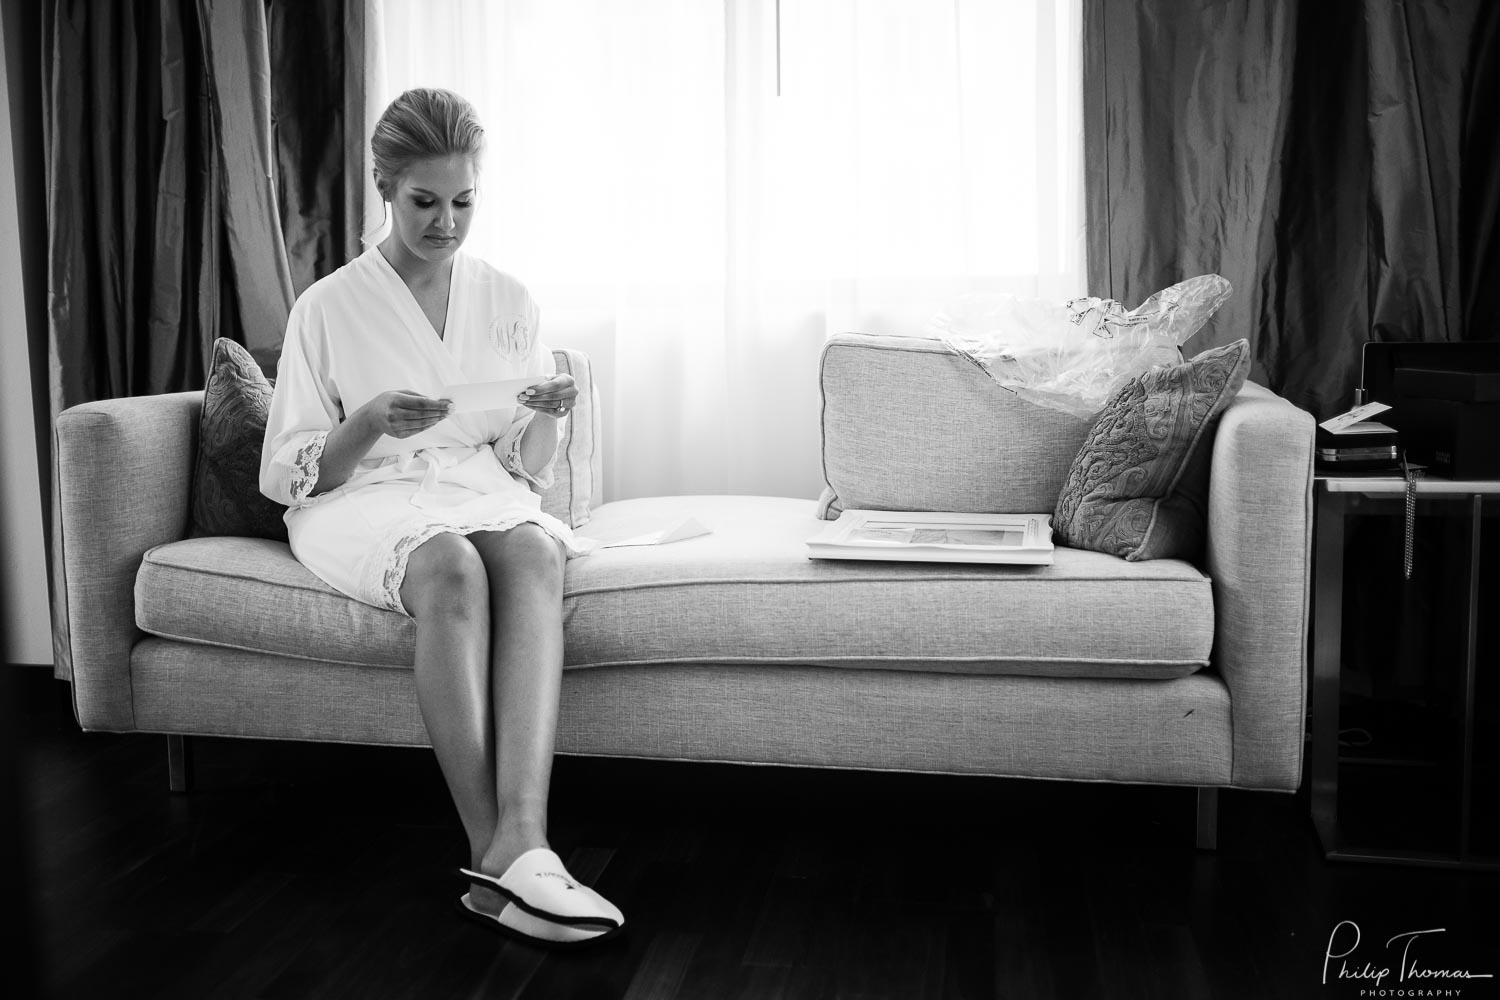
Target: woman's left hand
{"x":553,"y":398}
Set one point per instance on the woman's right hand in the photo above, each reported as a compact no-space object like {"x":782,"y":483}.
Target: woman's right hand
{"x":402,"y":413}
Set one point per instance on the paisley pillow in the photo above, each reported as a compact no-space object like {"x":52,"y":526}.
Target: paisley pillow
{"x":226,"y":482}
{"x":1138,"y":487}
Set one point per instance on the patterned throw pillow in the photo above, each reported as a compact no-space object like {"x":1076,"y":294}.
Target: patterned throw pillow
{"x":1138,"y":487}
{"x":226,"y":483}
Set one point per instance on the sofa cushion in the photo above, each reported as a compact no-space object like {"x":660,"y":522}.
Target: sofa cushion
{"x":745,"y":593}
{"x":226,"y":478}
{"x":1138,"y":487}
{"x":910,"y":425}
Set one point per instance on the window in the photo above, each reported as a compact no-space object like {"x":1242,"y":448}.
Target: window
{"x":699,"y":193}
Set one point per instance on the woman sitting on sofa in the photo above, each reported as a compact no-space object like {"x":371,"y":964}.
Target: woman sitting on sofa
{"x":401,"y":502}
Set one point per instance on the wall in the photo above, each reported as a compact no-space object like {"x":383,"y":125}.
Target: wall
{"x":24,"y":621}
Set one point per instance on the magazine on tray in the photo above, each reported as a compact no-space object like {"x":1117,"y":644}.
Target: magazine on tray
{"x":936,"y":536}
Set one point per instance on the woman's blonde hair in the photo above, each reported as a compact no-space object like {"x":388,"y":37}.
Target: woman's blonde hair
{"x":421,"y":124}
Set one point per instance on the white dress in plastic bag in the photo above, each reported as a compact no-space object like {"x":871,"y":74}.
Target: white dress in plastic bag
{"x":1071,"y":356}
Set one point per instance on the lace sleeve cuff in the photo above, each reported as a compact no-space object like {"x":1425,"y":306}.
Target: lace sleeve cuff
{"x":509,"y":453}
{"x":305,"y":467}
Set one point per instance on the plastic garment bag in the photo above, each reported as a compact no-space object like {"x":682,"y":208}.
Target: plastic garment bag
{"x":1073,"y":355}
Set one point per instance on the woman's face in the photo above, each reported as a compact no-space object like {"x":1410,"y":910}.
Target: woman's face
{"x":432,"y":204}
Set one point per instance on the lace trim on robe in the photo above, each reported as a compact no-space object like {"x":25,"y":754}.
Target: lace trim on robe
{"x":386,"y":590}
{"x":305,"y":466}
{"x":511,"y":461}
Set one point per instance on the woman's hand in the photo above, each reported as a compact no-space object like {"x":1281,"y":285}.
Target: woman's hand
{"x":553,"y":398}
{"x":402,"y":413}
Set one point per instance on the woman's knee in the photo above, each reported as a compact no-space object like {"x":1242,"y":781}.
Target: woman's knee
{"x":445,"y":573}
{"x":527,"y":550}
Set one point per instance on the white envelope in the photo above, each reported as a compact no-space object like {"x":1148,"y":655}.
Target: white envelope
{"x":469,"y":397}
{"x":1346,"y":423}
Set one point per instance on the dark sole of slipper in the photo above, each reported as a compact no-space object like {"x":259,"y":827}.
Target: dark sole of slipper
{"x":536,"y":911}
{"x":493,"y":924}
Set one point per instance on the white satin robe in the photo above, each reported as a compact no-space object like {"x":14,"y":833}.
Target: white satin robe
{"x":360,"y":332}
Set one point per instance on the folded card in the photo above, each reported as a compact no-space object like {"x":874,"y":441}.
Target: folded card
{"x":469,"y":397}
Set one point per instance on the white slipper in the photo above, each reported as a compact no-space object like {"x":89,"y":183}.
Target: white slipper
{"x":516,"y":923}
{"x":538,"y":884}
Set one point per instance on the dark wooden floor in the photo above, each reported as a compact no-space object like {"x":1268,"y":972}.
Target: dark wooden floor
{"x":301,"y":870}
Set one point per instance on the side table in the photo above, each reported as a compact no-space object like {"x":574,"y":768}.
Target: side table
{"x":1336,"y":498}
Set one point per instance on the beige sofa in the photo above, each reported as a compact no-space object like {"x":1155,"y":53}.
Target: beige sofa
{"x":734,"y":646}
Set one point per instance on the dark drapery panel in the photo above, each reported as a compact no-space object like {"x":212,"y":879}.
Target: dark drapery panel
{"x":1183,"y":146}
{"x":162,"y":227}
{"x":163,"y":184}
{"x":120,"y":103}
{"x":1419,"y":70}
{"x":318,"y":107}
{"x":1328,"y":158}
{"x":1479,"y":214}
{"x":254,"y":261}
{"x":204,"y":165}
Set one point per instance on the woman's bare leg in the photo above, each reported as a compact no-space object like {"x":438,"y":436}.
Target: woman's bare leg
{"x":525,"y":573}
{"x":488,"y":610}
{"x":447,"y":591}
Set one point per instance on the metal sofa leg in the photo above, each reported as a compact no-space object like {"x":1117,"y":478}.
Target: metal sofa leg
{"x":1208,"y":818}
{"x":179,"y":763}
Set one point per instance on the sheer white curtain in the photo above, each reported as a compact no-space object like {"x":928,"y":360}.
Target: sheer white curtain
{"x":700,"y":193}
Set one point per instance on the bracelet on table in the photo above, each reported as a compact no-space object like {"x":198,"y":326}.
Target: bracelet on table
{"x":1411,"y":475}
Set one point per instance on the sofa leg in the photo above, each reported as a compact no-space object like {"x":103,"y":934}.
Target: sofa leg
{"x":179,"y":763}
{"x":1208,"y":818}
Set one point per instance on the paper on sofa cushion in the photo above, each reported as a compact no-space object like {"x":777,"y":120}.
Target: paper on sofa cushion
{"x":469,"y":397}
{"x":649,"y":530}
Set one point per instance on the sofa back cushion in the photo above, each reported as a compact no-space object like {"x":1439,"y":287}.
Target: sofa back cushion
{"x":909,"y":425}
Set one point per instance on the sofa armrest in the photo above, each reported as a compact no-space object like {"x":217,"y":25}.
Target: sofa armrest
{"x":1259,"y":557}
{"x":124,"y":478}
